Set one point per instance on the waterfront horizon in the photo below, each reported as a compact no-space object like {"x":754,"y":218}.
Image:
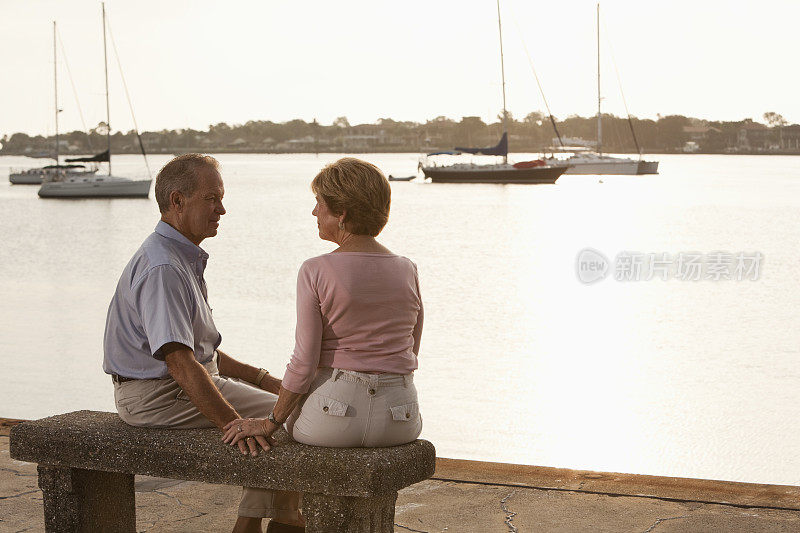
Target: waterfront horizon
{"x":651,"y":377}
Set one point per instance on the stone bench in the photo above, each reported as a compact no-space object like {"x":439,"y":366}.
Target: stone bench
{"x":87,"y":461}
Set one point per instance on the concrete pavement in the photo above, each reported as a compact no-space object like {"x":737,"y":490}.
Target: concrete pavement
{"x":468,"y":496}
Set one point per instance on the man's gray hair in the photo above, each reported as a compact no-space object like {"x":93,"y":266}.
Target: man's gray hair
{"x":180,"y":175}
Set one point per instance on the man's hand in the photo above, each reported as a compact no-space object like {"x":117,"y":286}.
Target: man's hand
{"x":197,"y":384}
{"x":249,"y":430}
{"x":230,"y":367}
{"x":271,"y":384}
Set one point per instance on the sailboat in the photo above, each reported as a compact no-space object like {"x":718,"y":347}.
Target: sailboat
{"x":96,"y":186}
{"x":523,"y":172}
{"x":599,"y":163}
{"x":35,"y":176}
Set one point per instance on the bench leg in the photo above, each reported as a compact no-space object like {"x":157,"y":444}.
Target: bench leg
{"x":77,"y":500}
{"x":325,"y":513}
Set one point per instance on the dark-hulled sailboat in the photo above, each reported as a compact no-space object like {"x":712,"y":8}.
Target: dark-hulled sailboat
{"x":534,"y":172}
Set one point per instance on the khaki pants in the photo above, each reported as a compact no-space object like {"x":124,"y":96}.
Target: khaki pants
{"x":161,"y":403}
{"x":344,"y":408}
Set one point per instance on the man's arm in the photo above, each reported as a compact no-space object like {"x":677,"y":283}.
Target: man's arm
{"x":230,"y":367}
{"x":197,"y":384}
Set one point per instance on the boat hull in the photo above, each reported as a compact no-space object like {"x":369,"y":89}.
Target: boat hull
{"x":648,"y":167}
{"x":93,"y":189}
{"x":610,"y":165}
{"x":25,"y":179}
{"x":616,"y":167}
{"x":36,"y":177}
{"x":535,"y":175}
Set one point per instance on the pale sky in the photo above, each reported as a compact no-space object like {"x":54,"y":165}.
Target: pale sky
{"x":194,"y":63}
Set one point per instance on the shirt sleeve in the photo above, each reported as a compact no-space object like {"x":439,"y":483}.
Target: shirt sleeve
{"x":302,"y":367}
{"x":417,"y":334}
{"x":165,"y":305}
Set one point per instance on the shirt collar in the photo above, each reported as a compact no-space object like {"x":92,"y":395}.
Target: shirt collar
{"x":189,"y":249}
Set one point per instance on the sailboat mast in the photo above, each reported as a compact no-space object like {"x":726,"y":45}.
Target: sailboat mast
{"x":108,"y":108}
{"x":599,"y":114}
{"x":55,"y":84}
{"x":503,"y":74}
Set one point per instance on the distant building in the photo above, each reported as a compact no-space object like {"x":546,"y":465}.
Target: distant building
{"x":360,"y":142}
{"x":698,"y":133}
{"x":753,"y":136}
{"x":303,"y":144}
{"x":574,"y":141}
{"x":789,"y":138}
{"x":238,"y":143}
{"x":690,"y":147}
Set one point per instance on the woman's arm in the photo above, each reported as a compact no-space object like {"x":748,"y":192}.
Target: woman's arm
{"x":302,"y":367}
{"x":300,"y":371}
{"x":420,"y":316}
{"x":418,"y":331}
{"x":287,"y":402}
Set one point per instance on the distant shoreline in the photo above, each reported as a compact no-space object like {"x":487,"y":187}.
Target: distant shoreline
{"x":384,"y":151}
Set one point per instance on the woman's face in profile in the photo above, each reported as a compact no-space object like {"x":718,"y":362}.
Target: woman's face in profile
{"x":327,"y":222}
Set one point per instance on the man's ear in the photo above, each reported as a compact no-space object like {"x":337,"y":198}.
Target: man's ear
{"x":176,"y":200}
{"x":343,"y":216}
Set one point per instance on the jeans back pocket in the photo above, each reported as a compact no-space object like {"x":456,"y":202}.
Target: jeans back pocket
{"x":329,"y":406}
{"x":408,"y":412}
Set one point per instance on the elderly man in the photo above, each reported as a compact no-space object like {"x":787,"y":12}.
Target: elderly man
{"x":161,"y":344}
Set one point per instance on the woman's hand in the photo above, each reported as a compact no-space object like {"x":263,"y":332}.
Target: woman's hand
{"x":252,"y":430}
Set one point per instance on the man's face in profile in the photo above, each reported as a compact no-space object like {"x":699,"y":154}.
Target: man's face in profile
{"x":202,"y":210}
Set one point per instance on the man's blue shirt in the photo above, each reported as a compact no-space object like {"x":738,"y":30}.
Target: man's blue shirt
{"x":161,"y":297}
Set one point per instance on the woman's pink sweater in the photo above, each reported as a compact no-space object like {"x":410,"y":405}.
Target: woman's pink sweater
{"x":355,"y":311}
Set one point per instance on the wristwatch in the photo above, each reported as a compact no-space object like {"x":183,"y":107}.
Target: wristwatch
{"x":271,"y":418}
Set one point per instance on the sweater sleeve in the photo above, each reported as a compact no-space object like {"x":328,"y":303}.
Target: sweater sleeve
{"x":302,"y":367}
{"x":420,"y":315}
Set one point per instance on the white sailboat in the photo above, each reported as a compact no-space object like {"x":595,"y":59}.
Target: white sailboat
{"x":96,"y":186}
{"x":597,"y":162}
{"x":35,"y":176}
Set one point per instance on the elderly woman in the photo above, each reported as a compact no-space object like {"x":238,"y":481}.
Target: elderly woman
{"x":359,"y":323}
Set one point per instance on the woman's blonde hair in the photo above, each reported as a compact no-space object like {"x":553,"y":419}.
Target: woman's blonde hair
{"x":358,"y":189}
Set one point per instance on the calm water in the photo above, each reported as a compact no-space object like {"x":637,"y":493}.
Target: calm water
{"x":520,"y":362}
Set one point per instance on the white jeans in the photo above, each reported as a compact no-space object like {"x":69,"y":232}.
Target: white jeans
{"x":346,"y":409}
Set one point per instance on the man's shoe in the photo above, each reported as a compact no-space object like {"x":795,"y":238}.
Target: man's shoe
{"x":279,"y":527}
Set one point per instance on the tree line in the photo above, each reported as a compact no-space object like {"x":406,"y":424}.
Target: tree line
{"x":533,"y":133}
